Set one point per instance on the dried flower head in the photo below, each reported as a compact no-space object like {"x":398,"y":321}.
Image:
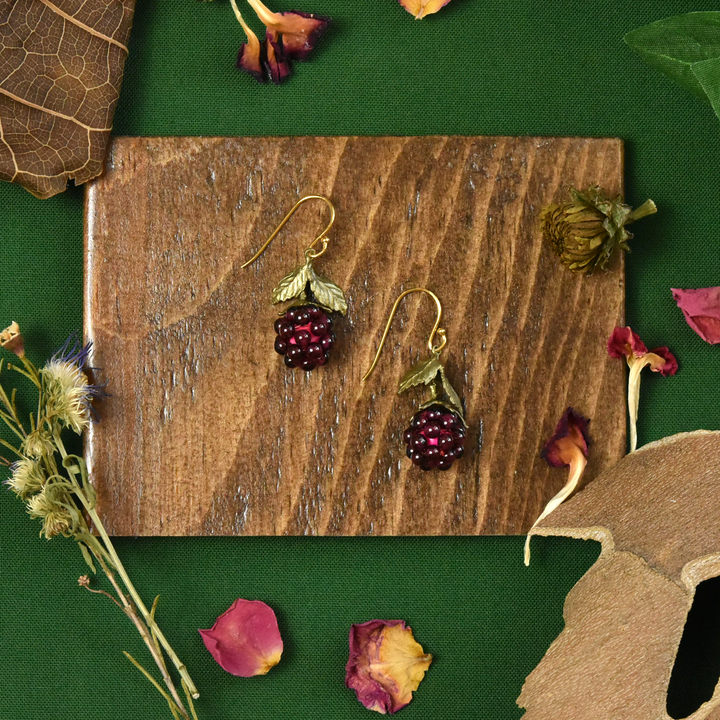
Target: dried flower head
{"x":38,"y":444}
{"x":421,"y":8}
{"x":245,"y":640}
{"x":567,"y":447}
{"x":386,"y":664}
{"x":26,"y":477}
{"x":701,"y":309}
{"x":11,"y":339}
{"x":585,"y":232}
{"x":288,"y":36}
{"x":84,"y":581}
{"x":624,"y":343}
{"x":68,"y":391}
{"x":59,"y":518}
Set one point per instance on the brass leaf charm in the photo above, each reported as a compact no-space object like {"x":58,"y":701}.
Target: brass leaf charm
{"x":328,"y":293}
{"x":452,"y":396}
{"x":293,"y":285}
{"x":423,"y":373}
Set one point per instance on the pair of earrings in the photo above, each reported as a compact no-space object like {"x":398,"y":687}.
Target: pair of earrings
{"x":435,"y":437}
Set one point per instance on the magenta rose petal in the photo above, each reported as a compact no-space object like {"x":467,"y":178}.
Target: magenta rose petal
{"x":245,"y":640}
{"x":701,"y":308}
{"x":386,"y":664}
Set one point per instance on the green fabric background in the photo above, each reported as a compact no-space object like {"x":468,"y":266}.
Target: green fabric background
{"x":480,"y":67}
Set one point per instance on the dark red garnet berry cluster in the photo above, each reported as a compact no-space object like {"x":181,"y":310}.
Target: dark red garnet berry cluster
{"x":435,"y":438}
{"x":304,"y":337}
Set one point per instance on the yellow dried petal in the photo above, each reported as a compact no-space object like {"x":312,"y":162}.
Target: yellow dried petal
{"x":421,"y":8}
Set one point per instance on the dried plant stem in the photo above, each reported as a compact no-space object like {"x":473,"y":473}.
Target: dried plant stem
{"x":634,"y":396}
{"x":577,"y":468}
{"x":154,"y":649}
{"x":120,"y":569}
{"x":147,"y":616}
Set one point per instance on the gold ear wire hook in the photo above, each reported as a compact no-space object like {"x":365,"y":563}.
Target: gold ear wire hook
{"x":322,"y":237}
{"x":437,"y":330}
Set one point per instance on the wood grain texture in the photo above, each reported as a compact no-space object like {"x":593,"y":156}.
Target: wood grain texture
{"x":208,"y":433}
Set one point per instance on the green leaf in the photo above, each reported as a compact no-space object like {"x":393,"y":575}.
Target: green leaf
{"x":293,"y":285}
{"x":327,"y":293}
{"x":87,"y":556}
{"x":452,"y":396}
{"x":686,"y":49}
{"x":707,"y":73}
{"x":421,"y":374}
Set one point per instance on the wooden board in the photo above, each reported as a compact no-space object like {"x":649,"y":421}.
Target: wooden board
{"x":208,"y":433}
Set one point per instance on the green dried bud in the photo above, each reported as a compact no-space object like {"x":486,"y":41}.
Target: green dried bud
{"x":585,"y":232}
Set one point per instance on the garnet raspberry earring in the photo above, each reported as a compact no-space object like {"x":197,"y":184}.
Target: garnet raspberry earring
{"x":304,"y":328}
{"x":435,"y":437}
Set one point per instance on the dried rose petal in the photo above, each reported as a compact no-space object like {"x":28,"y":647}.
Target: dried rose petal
{"x":421,"y":8}
{"x":625,"y":343}
{"x":250,"y":55}
{"x":300,"y":31}
{"x":245,"y":640}
{"x":386,"y":664}
{"x":568,"y":447}
{"x":11,"y":339}
{"x":701,"y":309}
{"x":663,"y":361}
{"x":275,"y":60}
{"x":570,"y":433}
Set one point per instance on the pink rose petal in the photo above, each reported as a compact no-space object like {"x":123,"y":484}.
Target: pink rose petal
{"x":701,"y":309}
{"x":245,"y":640}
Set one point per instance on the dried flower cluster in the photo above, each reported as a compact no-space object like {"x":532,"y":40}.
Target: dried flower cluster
{"x":289,"y":36}
{"x":54,"y":485}
{"x":585,"y":232}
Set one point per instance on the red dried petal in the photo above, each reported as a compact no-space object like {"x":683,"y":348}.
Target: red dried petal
{"x":245,"y":639}
{"x":275,"y":60}
{"x":662,"y":361}
{"x":570,"y":434}
{"x":625,"y":343}
{"x":701,"y":308}
{"x":301,"y":33}
{"x":386,"y":664}
{"x":250,"y":61}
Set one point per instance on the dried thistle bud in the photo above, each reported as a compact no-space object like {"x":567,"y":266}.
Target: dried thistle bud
{"x":26,"y":478}
{"x":68,"y":391}
{"x":38,"y":444}
{"x":11,"y":339}
{"x":585,"y":232}
{"x":55,"y":514}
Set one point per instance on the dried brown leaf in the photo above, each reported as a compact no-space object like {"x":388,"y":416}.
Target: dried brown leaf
{"x":61,"y":66}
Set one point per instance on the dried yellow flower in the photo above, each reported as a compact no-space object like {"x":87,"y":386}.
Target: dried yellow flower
{"x":11,"y":339}
{"x":585,"y":232}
